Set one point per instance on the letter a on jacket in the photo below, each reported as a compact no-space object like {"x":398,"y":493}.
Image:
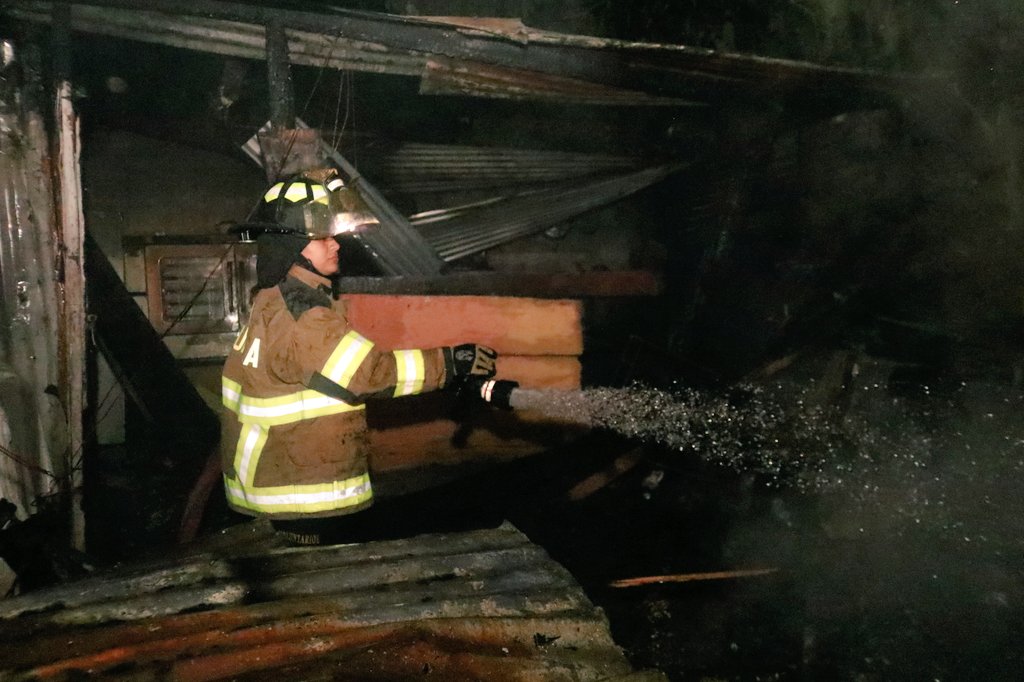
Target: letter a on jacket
{"x":294,"y":441}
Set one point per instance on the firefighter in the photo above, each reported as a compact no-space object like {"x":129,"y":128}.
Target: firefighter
{"x":294,"y":434}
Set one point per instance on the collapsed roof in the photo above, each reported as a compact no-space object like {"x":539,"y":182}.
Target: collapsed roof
{"x":483,"y":57}
{"x":491,"y":58}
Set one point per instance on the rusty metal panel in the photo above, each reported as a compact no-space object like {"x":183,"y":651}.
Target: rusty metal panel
{"x":394,"y":44}
{"x":485,"y":604}
{"x":227,"y":37}
{"x":461,"y":77}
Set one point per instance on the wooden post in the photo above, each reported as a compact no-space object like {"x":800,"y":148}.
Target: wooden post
{"x":68,"y":183}
{"x":282,"y":108}
{"x":285,"y":149}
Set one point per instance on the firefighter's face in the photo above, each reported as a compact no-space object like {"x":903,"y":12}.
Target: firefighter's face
{"x":323,"y":254}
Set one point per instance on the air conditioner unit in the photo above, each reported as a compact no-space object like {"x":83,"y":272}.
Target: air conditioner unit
{"x":194,"y":290}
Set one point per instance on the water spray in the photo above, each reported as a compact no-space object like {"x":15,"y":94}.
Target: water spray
{"x":678,"y":419}
{"x":743,"y":428}
{"x":878,"y":449}
{"x":740,"y":427}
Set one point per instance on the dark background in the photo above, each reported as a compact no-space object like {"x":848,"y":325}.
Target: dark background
{"x":861,"y":266}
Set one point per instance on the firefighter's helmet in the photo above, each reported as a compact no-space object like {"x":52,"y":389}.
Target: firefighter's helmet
{"x":315,"y":204}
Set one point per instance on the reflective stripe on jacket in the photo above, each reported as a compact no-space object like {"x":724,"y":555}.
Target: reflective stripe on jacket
{"x":293,"y":436}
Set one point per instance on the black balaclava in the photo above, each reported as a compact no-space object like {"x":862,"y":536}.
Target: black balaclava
{"x":275,"y":255}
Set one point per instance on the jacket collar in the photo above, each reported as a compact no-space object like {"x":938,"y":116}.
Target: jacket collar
{"x":310,"y":279}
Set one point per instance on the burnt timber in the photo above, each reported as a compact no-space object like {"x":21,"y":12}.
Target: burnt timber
{"x":383,"y":43}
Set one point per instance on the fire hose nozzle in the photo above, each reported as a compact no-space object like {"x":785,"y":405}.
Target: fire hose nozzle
{"x":498,"y":392}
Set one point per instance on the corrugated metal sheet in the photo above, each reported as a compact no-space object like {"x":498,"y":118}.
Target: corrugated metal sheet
{"x":482,"y":605}
{"x":396,"y":246}
{"x":33,"y":425}
{"x":455,"y":233}
{"x":459,"y":232}
{"x":421,"y":168}
{"x":229,"y":38}
{"x":459,"y":77}
{"x":392,"y":44}
{"x":503,"y":59}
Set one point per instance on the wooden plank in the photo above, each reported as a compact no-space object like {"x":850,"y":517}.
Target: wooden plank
{"x":596,"y":481}
{"x":514,"y":326}
{"x":541,"y":371}
{"x":556,"y":285}
{"x":441,"y":428}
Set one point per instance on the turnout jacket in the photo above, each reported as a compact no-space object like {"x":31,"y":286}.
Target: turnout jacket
{"x":293,"y":431}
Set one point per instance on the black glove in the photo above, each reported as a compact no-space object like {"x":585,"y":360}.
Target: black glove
{"x":497,"y":392}
{"x":470,"y":359}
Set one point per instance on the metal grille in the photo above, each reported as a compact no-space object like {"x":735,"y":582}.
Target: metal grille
{"x":196,"y":290}
{"x":199,"y":288}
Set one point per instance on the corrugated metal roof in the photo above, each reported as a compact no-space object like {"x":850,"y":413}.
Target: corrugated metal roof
{"x":462,"y":231}
{"x":486,"y":57}
{"x":33,"y":447}
{"x":385,"y":43}
{"x":481,"y":605}
{"x":228,"y":38}
{"x":460,"y":77}
{"x":396,"y":247}
{"x":420,"y":168}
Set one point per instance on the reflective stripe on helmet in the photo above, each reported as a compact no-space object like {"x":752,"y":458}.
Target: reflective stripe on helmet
{"x":300,"y":499}
{"x":313,"y":209}
{"x":319,"y":194}
{"x":410,"y":370}
{"x":300,"y":191}
{"x":296,"y":191}
{"x":273,"y":193}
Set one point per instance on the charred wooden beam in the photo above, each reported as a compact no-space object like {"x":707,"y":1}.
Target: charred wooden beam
{"x":71,"y":230}
{"x":279,"y":77}
{"x":655,"y":69}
